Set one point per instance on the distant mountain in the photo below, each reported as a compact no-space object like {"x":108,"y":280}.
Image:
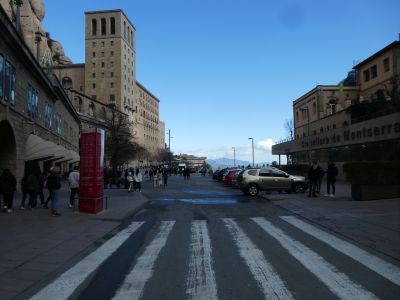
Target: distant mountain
{"x":224,"y":162}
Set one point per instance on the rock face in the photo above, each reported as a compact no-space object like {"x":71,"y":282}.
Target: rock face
{"x":32,"y":13}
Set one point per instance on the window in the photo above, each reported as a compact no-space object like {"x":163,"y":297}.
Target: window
{"x":124,"y":30}
{"x":93,"y":54}
{"x":252,"y":172}
{"x":111,"y":64}
{"x":7,"y":78}
{"x":265,"y":173}
{"x":112,"y":25}
{"x":33,"y":100}
{"x":103,"y":26}
{"x":93,"y":44}
{"x":112,"y":43}
{"x":112,"y":53}
{"x":94,"y":26}
{"x":374,"y":72}
{"x":112,"y":74}
{"x":129,"y":36}
{"x":314,"y":108}
{"x":48,"y":110}
{"x":58,"y":120}
{"x":102,"y":54}
{"x":93,"y":85}
{"x":102,"y":44}
{"x":102,"y":74}
{"x":102,"y":64}
{"x":111,"y":84}
{"x":332,"y":108}
{"x":366,"y":75}
{"x":93,"y":65}
{"x":1,"y":75}
{"x":386,"y":66}
{"x":94,"y":75}
{"x":132,"y":38}
{"x":112,"y":98}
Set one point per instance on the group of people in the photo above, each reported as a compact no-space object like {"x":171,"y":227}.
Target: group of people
{"x":316,"y":174}
{"x":134,"y":180}
{"x":33,"y":185}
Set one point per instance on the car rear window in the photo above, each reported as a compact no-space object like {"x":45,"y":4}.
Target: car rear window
{"x":252,"y":172}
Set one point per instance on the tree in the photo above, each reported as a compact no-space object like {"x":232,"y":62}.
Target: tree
{"x":119,"y":143}
{"x":289,"y":128}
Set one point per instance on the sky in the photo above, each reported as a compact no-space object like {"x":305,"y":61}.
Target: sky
{"x":229,"y":70}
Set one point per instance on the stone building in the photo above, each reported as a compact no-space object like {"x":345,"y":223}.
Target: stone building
{"x":38,"y":124}
{"x":350,"y":123}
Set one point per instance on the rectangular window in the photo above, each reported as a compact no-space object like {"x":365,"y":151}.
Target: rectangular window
{"x":102,"y":64}
{"x":112,"y":97}
{"x":33,"y":101}
{"x":112,"y":43}
{"x":1,"y":75}
{"x":374,"y":72}
{"x":58,"y":120}
{"x":366,"y":75}
{"x":48,"y":113}
{"x":93,"y":54}
{"x":386,"y":66}
{"x":112,"y":74}
{"x":93,"y":44}
{"x":13,"y":79}
{"x":102,"y":54}
{"x":7,"y":78}
{"x":112,"y":53}
{"x":94,"y":75}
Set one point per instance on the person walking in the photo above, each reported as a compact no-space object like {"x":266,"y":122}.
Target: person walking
{"x":331,"y":174}
{"x":24,"y":189}
{"x":138,"y":178}
{"x":129,"y":179}
{"x":33,"y":185}
{"x":8,"y":185}
{"x":54,"y":185}
{"x":165,"y":176}
{"x":320,"y":176}
{"x":73,"y":180}
{"x":312,"y":177}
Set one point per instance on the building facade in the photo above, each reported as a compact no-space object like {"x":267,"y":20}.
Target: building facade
{"x":350,"y":123}
{"x":38,"y":124}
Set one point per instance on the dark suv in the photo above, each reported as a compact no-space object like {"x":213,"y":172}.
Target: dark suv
{"x":251,"y":181}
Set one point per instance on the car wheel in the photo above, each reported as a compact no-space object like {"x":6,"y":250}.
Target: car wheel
{"x":252,"y":190}
{"x":298,"y":188}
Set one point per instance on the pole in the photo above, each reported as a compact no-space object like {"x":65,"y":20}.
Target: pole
{"x":252,"y":148}
{"x":169,"y":146}
{"x":234,"y":157}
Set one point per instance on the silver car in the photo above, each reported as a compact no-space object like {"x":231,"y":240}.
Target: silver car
{"x":251,"y":181}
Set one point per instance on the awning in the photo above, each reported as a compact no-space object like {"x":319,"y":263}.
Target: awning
{"x":59,"y":153}
{"x":75,"y":158}
{"x":38,"y":149}
{"x":70,"y":156}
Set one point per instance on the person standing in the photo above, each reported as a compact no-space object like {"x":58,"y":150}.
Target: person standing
{"x":54,"y":185}
{"x":33,"y":185}
{"x":73,"y":180}
{"x":129,"y":179}
{"x":312,"y":177}
{"x":320,"y":176}
{"x":138,"y":178}
{"x":165,"y":176}
{"x":8,"y":185}
{"x":331,"y":174}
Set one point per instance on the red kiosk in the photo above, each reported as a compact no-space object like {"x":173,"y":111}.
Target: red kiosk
{"x":91,"y":170}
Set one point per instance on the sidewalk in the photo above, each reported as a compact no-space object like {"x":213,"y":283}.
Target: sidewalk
{"x":375,"y":224}
{"x":35,"y":245}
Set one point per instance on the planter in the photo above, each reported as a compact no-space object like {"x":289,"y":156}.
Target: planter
{"x":361,"y":192}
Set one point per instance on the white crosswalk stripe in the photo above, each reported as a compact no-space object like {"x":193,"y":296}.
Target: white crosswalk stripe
{"x":134,"y":282}
{"x":339,"y":283}
{"x":201,"y":283}
{"x":64,"y":286}
{"x":376,"y":264}
{"x":267,"y":279}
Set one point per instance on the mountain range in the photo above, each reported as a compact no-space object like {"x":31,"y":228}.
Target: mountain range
{"x":224,"y":162}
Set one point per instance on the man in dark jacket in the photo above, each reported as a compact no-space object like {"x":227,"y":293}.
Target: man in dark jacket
{"x":331,"y":174}
{"x":33,"y":183}
{"x":54,"y":185}
{"x":313,"y":174}
{"x":8,"y":185}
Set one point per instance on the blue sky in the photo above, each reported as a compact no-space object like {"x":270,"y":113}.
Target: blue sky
{"x":225,"y":71}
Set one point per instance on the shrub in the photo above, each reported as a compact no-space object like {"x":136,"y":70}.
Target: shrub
{"x":373,"y":172}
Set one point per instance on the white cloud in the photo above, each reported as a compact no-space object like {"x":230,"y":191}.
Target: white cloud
{"x":265,"y":145}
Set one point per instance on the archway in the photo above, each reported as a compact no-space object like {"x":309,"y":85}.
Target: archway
{"x":8,"y":149}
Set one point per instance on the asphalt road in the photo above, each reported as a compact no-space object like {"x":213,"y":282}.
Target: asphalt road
{"x":199,"y":240}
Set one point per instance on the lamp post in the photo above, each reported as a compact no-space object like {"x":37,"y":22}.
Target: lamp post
{"x":234,"y":157}
{"x":169,"y":146}
{"x":252,"y":148}
{"x":308,"y":131}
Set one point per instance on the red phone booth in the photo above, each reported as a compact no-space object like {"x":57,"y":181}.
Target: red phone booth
{"x":91,"y":184}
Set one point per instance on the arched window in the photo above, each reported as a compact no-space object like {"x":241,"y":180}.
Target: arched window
{"x":129,"y":36}
{"x":66,"y":83}
{"x":94,"y":26}
{"x":314,"y":108}
{"x":103,"y":26}
{"x":112,"y":25}
{"x":132,"y":38}
{"x":124,"y":30}
{"x":91,"y":109}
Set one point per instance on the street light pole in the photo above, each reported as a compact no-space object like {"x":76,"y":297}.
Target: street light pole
{"x":234,"y":157}
{"x":252,"y":148}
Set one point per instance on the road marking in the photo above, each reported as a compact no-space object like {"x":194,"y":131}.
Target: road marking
{"x":66,"y":283}
{"x":376,"y":264}
{"x":201,"y":281}
{"x":134,"y":282}
{"x":268,"y":280}
{"x":339,"y":283}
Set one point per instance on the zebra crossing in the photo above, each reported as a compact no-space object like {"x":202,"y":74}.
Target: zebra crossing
{"x":202,"y":277}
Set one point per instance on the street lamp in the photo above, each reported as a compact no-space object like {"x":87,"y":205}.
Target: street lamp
{"x":234,"y":157}
{"x":308,"y":131}
{"x":252,"y":148}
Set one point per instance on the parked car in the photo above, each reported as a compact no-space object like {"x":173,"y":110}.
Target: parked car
{"x":215,"y":175}
{"x":235,"y":183}
{"x":253,"y":180}
{"x":229,"y":176}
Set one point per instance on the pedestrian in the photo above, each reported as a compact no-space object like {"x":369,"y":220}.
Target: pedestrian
{"x":312,"y":177}
{"x":331,"y":174}
{"x":24,"y":189}
{"x":33,"y":185}
{"x":73,"y":180}
{"x":138,"y":178}
{"x":165,"y":176}
{"x":129,"y":180}
{"x":54,"y":185}
{"x":320,"y":176}
{"x":8,"y":185}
